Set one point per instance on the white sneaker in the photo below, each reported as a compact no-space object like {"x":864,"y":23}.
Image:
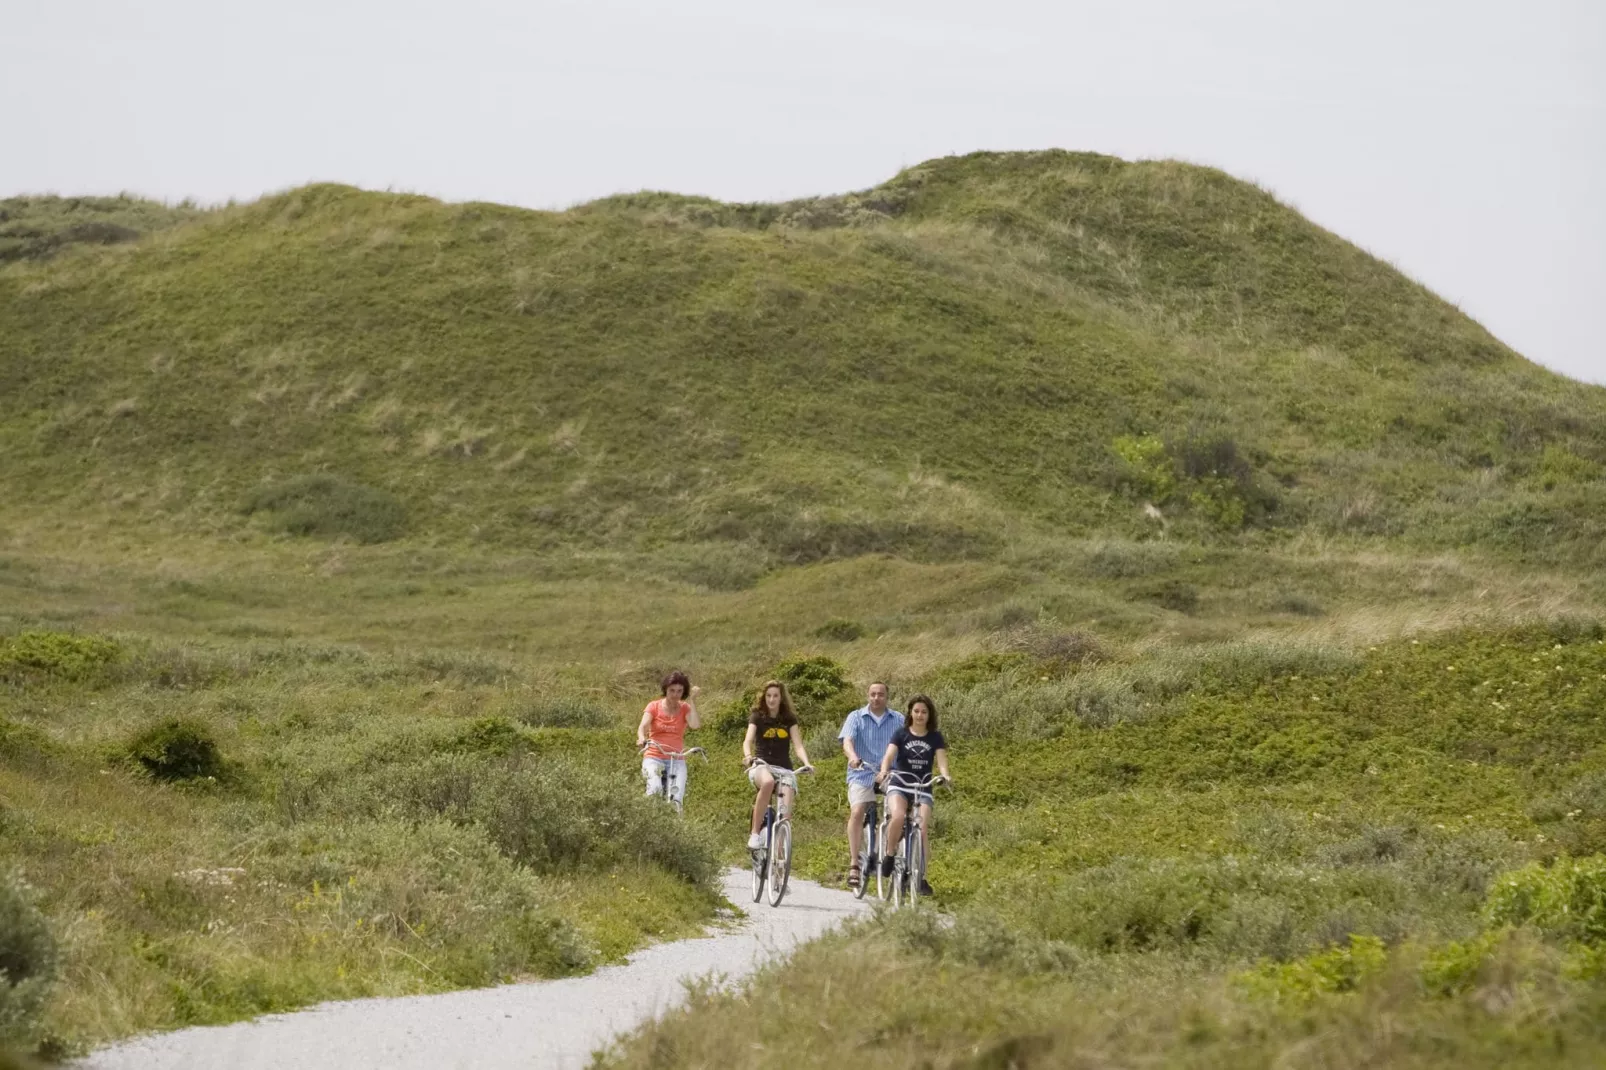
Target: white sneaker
{"x":755,"y":842}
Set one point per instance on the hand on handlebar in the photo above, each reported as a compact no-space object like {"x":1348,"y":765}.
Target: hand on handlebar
{"x":857,"y":763}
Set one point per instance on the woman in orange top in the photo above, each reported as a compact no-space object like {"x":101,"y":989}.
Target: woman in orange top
{"x":661,"y":736}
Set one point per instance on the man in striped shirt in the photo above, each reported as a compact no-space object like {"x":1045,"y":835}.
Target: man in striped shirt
{"x":865,"y":736}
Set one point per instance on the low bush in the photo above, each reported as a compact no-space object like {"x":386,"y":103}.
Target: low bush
{"x":37,"y":656}
{"x":28,"y":961}
{"x":566,"y":711}
{"x":177,"y":749}
{"x":545,"y":813}
{"x":820,"y":690}
{"x":1566,"y":899}
{"x":841,"y":630}
{"x":490,"y":735}
{"x":1333,"y":970}
{"x":329,"y":506}
{"x":1172,"y":594}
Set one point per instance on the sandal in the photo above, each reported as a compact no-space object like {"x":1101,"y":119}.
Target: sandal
{"x":853,"y":880}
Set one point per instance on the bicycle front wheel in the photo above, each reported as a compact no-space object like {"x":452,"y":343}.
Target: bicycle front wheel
{"x":883,"y":885}
{"x":780,"y":861}
{"x":917,"y":866}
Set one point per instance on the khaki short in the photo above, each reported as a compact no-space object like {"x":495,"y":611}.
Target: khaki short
{"x":784,"y":777}
{"x":860,"y":793}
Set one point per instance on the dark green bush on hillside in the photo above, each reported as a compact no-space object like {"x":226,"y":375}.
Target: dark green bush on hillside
{"x":330,"y":506}
{"x":27,"y":961}
{"x":1204,"y":473}
{"x":820,"y":690}
{"x":177,"y":749}
{"x":841,"y":630}
{"x":37,"y":656}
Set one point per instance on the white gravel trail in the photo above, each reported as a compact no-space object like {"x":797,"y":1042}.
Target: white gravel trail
{"x":552,"y":1025}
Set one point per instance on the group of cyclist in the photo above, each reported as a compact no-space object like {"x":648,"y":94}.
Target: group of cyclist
{"x":886,"y":753}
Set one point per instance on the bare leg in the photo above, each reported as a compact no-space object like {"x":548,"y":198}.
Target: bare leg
{"x":766,"y":784}
{"x":898,"y":808}
{"x":856,"y":832}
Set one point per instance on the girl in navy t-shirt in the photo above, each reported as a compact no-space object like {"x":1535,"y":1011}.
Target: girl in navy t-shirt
{"x":916,"y":749}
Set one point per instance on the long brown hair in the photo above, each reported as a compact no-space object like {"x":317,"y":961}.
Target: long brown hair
{"x":762,"y":710}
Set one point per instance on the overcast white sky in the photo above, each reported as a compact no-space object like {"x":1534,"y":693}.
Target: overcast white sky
{"x":1463,"y":140}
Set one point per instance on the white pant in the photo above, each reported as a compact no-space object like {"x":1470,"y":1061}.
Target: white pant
{"x":653,"y":770}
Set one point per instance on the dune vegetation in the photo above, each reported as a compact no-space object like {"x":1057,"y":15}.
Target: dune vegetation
{"x":343,"y":536}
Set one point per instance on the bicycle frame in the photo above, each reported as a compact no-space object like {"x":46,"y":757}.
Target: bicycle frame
{"x":771,"y":866}
{"x":652,"y":749}
{"x":910,"y":845}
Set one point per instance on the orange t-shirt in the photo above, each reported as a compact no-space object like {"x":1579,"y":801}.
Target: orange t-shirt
{"x":667,"y":730}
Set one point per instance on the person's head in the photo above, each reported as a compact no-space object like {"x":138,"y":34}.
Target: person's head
{"x":876,"y":698}
{"x":676,"y":679}
{"x":922,"y":714}
{"x":773,"y":701}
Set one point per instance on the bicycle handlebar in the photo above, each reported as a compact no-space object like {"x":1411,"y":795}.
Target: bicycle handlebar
{"x":910,"y":782}
{"x":669,"y":755}
{"x":802,"y":769}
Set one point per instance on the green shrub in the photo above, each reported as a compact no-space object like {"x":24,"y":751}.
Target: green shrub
{"x":1566,"y":900}
{"x":545,"y":813}
{"x":330,"y":506}
{"x":1455,"y":967}
{"x":33,"y":656}
{"x":841,"y":630}
{"x":1334,"y":970}
{"x":490,"y":735}
{"x":977,"y":669}
{"x":177,"y":749}
{"x":819,"y":687}
{"x":566,"y":711}
{"x":27,"y":961}
{"x":1171,"y":594}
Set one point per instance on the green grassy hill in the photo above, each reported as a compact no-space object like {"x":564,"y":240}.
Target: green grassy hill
{"x":972,"y":351}
{"x":343,"y":536}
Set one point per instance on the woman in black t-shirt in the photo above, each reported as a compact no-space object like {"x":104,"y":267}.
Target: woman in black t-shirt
{"x":772,"y":734}
{"x":915,"y":750}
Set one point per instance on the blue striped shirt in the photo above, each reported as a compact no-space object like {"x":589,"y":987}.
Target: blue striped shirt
{"x":870,"y":741}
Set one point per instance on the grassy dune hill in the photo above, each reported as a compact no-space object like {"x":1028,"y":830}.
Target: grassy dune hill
{"x":983,"y":346}
{"x":343,"y":536}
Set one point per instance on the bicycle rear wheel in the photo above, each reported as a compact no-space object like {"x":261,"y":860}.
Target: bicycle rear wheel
{"x":780,"y":861}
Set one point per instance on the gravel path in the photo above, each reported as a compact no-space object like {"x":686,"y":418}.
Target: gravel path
{"x":545,"y":1024}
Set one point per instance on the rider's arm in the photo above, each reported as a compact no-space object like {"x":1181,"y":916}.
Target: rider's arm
{"x":886,"y":761}
{"x":644,"y":729}
{"x":748,"y":741}
{"x":692,"y":720}
{"x":847,"y":744}
{"x":942,"y":763}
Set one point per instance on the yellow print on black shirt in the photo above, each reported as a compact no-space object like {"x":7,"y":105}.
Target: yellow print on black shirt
{"x":776,"y":733}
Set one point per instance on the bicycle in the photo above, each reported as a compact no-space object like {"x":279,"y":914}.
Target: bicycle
{"x":772,"y":863}
{"x":909,"y":863}
{"x":669,"y":758}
